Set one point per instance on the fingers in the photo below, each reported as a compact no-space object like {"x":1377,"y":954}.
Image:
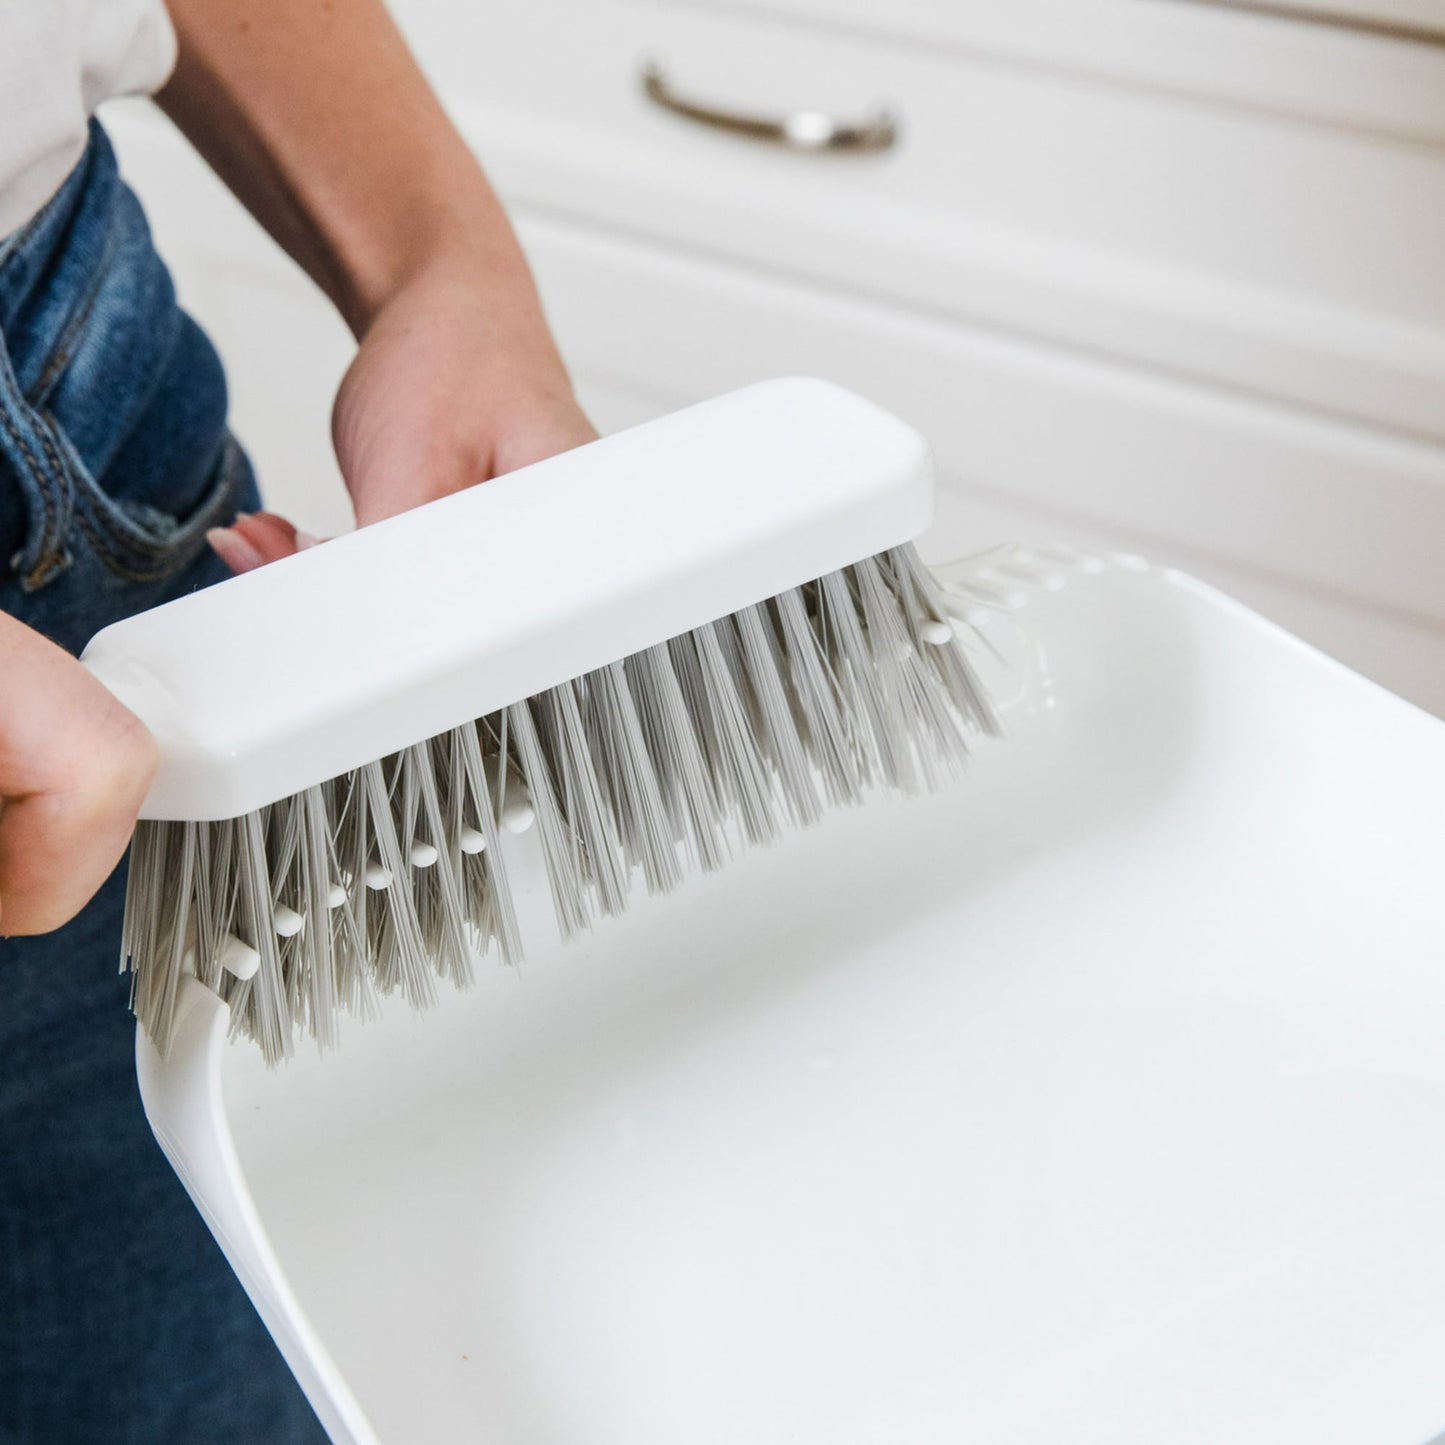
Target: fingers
{"x":74,"y":768}
{"x":256,"y":538}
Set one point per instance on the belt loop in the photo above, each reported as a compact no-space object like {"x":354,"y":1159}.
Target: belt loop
{"x":29,"y":451}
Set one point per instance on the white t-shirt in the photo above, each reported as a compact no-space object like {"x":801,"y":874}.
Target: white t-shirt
{"x":59,"y":59}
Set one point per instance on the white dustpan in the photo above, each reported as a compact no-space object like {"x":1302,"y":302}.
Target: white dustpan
{"x":1100,"y":1099}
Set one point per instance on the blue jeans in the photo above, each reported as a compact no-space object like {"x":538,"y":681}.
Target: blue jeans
{"x":119,"y":1319}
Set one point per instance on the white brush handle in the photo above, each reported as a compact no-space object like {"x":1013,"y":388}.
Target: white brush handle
{"x":294,"y":673}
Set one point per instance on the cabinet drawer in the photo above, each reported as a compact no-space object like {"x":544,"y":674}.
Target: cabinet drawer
{"x":1324,"y":60}
{"x":1262,"y":253}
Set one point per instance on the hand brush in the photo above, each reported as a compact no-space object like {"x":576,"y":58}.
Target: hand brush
{"x":678,"y":640}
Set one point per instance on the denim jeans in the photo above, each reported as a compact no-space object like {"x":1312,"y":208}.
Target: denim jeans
{"x":119,"y":1319}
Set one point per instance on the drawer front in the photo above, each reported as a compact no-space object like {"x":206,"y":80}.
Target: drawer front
{"x":1366,"y":65}
{"x":1261,"y":253}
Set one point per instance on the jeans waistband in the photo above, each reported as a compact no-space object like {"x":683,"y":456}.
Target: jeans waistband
{"x":112,"y":401}
{"x":45,"y":273}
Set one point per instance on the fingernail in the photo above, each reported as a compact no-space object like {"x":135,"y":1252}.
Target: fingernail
{"x":234,"y":550}
{"x":305,"y":540}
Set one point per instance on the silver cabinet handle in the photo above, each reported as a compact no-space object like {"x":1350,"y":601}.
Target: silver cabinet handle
{"x":803,"y":130}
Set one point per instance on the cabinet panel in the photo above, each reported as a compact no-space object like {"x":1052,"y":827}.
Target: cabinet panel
{"x":1254,"y":251}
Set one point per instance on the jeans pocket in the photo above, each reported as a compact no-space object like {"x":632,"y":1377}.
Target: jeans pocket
{"x":91,"y":558}
{"x":140,"y":542}
{"x":113,"y":433}
{"x":71,"y":510}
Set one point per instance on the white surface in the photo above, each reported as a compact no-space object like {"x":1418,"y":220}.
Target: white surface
{"x":1100,"y":1099}
{"x":392,"y":634}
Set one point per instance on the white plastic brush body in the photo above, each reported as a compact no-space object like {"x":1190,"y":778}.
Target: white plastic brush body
{"x":346,"y":653}
{"x":680,"y":637}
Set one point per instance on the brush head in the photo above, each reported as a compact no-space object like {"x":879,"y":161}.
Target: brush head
{"x":293,"y":674}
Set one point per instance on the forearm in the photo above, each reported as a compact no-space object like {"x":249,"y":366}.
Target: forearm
{"x":316,"y":115}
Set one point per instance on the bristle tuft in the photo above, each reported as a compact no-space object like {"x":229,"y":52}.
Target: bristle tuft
{"x":663,"y":763}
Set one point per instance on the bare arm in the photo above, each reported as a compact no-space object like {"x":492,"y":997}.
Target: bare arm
{"x":316,"y":115}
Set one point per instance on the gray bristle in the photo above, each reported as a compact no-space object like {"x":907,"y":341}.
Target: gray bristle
{"x":392,"y":877}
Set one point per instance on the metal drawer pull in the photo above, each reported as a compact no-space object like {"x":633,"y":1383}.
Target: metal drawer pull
{"x":802,"y":130}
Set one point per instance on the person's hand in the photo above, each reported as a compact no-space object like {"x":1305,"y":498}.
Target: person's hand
{"x":450,"y":387}
{"x":74,"y":768}
{"x":319,"y":118}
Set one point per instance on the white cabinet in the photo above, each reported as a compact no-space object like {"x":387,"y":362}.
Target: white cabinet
{"x":1155,"y":274}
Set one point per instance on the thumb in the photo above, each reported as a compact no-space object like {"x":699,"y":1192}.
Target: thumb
{"x":256,"y":538}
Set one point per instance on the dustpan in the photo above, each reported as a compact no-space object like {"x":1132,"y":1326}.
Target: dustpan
{"x":1099,"y":1098}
